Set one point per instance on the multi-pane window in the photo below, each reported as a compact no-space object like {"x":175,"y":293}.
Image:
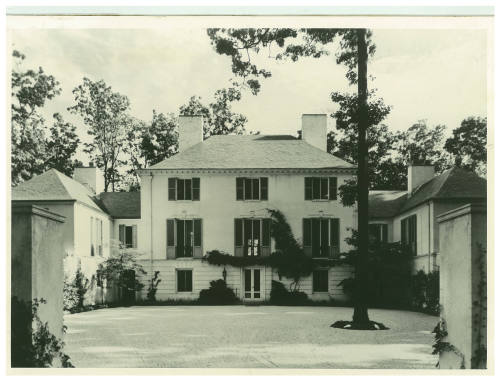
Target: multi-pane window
{"x":184,"y":280}
{"x":252,"y":237}
{"x":378,"y":232}
{"x":251,"y":188}
{"x":321,"y":237}
{"x":320,"y":280}
{"x":127,"y":235}
{"x":95,"y":236}
{"x":184,"y":189}
{"x":92,"y":248}
{"x":320,"y":188}
{"x":184,"y":238}
{"x":409,"y":233}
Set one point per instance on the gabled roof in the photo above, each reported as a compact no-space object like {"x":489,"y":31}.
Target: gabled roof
{"x":252,"y":152}
{"x":385,"y":204}
{"x":121,"y":204}
{"x":53,"y":186}
{"x":453,"y":184}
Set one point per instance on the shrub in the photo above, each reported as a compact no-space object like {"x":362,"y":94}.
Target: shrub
{"x":218,"y":293}
{"x":425,"y":292}
{"x":32,"y":344}
{"x":280,"y":296}
{"x":70,"y":295}
{"x":153,"y":287}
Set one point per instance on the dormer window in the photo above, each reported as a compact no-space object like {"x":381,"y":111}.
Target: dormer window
{"x":251,"y":188}
{"x":183,"y":189}
{"x":320,"y":188}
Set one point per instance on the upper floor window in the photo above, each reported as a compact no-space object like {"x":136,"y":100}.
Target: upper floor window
{"x":321,"y":237}
{"x":184,"y":189}
{"x":320,"y":188}
{"x":251,"y":188}
{"x":184,"y":238}
{"x":378,"y":232}
{"x":409,"y":233}
{"x":127,"y":234}
{"x":252,"y":237}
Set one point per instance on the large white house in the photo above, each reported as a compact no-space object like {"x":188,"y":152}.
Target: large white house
{"x":215,"y":194}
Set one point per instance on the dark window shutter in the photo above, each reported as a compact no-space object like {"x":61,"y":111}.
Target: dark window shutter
{"x":179,"y":247}
{"x":172,"y":188}
{"x":306,"y":231}
{"x":335,"y":236}
{"x":170,"y":239}
{"x":197,"y":232}
{"x":239,"y":188}
{"x":325,"y":244}
{"x":121,"y":234}
{"x":308,"y":188}
{"x":238,"y":232}
{"x":332,"y":192}
{"x":189,"y":280}
{"x":266,"y":232}
{"x":385,"y":233}
{"x":196,"y":188}
{"x":263,"y":188}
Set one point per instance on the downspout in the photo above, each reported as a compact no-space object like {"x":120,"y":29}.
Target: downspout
{"x":151,"y":224}
{"x":429,"y":238}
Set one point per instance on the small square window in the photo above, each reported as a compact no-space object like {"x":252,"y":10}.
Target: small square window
{"x":184,"y":280}
{"x":320,"y":280}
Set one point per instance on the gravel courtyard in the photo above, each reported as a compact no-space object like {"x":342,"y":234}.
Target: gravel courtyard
{"x":246,"y":337}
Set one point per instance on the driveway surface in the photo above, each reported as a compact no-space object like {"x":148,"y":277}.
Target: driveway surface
{"x":246,"y":337}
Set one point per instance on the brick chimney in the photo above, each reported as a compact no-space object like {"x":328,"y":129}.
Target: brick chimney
{"x":314,"y":130}
{"x":190,"y":131}
{"x":419,"y":174}
{"x":91,"y":177}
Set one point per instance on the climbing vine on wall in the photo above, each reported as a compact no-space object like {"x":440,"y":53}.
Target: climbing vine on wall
{"x":289,"y":259}
{"x":441,"y":345}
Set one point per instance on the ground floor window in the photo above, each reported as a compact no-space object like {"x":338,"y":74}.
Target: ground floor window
{"x":127,"y":234}
{"x":320,"y":280}
{"x":378,"y":232}
{"x":184,"y":280}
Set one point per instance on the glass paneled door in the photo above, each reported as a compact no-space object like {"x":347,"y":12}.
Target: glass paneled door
{"x":252,"y":286}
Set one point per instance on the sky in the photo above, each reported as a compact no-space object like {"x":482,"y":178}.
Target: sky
{"x":436,"y":75}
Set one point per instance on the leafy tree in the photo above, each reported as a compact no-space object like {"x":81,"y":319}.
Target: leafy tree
{"x":423,"y":145}
{"x":219,"y":118}
{"x":30,"y":89}
{"x":62,"y":145}
{"x":104,"y":113}
{"x":468,"y":145}
{"x":355,"y":46}
{"x":35,"y":147}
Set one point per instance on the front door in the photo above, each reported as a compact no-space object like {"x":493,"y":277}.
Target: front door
{"x":252,"y":284}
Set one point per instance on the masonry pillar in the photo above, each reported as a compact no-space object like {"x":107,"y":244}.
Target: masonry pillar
{"x":37,"y":254}
{"x":462,"y":243}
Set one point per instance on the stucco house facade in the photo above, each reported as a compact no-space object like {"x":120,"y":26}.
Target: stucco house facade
{"x":411,"y":216}
{"x":214,"y":195}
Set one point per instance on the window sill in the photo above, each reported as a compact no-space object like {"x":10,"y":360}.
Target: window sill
{"x":320,"y":200}
{"x":321,"y":292}
{"x":252,"y":201}
{"x":184,"y":292}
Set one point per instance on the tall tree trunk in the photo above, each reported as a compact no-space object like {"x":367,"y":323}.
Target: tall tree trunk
{"x":360,"y":315}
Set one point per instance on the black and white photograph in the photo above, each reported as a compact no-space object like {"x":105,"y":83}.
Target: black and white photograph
{"x":248,"y":190}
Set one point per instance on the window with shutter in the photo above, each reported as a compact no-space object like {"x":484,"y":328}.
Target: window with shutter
{"x":320,"y":188}
{"x":251,"y":188}
{"x":335,"y":237}
{"x":238,"y":237}
{"x":409,"y":233}
{"x":171,"y":251}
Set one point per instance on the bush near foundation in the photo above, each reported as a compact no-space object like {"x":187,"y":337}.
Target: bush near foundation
{"x":32,"y":343}
{"x":218,"y":294}
{"x":425,"y":292}
{"x":280,"y":296}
